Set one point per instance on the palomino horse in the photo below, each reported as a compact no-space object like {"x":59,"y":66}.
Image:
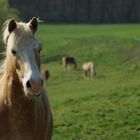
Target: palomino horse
{"x":25,"y":112}
{"x":69,"y":62}
{"x":89,"y":70}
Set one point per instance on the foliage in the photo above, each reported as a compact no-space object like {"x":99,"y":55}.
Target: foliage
{"x":6,"y":12}
{"x":107,"y":107}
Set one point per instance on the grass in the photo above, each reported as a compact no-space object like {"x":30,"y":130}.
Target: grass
{"x":107,"y":107}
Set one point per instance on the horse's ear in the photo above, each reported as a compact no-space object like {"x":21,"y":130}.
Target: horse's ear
{"x":33,"y":24}
{"x":12,"y":25}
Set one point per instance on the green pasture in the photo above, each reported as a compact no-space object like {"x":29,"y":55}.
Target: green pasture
{"x":106,"y":107}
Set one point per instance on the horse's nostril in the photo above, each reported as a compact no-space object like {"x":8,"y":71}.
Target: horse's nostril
{"x":28,"y":84}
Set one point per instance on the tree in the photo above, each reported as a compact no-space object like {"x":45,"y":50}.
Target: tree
{"x":6,"y":12}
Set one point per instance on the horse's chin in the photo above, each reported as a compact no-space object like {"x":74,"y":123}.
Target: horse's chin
{"x":32,"y":94}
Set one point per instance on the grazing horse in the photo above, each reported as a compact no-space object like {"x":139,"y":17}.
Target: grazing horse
{"x":69,"y":62}
{"x":45,"y":74}
{"x":89,"y":70}
{"x":25,"y":112}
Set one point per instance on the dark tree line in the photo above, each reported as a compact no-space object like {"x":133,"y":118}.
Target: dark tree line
{"x":80,"y":11}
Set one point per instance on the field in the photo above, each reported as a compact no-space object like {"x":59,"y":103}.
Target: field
{"x":104,"y":108}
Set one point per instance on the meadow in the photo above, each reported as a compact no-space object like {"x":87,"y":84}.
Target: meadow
{"x":106,"y":107}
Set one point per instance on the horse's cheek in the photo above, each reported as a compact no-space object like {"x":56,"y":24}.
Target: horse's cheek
{"x":20,"y":69}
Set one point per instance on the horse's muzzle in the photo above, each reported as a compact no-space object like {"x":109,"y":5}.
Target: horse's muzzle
{"x":34,"y":87}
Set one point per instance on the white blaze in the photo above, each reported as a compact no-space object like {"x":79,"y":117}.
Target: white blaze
{"x":27,"y":55}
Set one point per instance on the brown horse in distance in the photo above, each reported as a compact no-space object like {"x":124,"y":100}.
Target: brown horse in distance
{"x":45,"y":74}
{"x":69,"y":62}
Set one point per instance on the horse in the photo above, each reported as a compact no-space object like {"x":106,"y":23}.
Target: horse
{"x":89,"y":70}
{"x":69,"y":62}
{"x":45,"y":74}
{"x":25,"y":112}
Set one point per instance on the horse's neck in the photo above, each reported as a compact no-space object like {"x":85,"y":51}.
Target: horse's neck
{"x":13,"y":101}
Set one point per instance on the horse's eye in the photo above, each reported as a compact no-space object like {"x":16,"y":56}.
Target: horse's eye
{"x":14,"y":52}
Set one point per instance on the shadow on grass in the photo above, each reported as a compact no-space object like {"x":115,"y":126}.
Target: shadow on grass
{"x":56,"y":58}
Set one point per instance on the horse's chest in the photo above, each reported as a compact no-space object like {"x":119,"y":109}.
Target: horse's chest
{"x":22,"y":123}
{"x":17,"y":124}
{"x":4,"y":124}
